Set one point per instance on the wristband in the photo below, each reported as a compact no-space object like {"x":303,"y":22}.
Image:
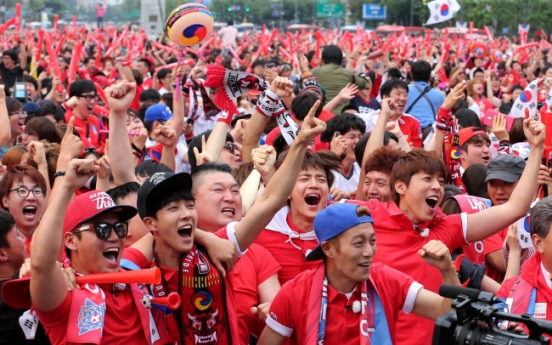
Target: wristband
{"x":223,"y":116}
{"x":269,"y":104}
{"x":59,"y":173}
{"x":443,"y":121}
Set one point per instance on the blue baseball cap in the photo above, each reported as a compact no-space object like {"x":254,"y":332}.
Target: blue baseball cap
{"x":159,"y":112}
{"x":332,"y":221}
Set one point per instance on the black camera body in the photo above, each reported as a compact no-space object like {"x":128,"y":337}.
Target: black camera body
{"x":475,"y":322}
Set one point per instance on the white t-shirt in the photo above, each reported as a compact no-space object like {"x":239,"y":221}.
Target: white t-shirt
{"x":229,"y":35}
{"x":348,"y":184}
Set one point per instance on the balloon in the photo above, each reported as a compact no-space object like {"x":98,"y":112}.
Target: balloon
{"x":189,"y":24}
{"x":479,"y":50}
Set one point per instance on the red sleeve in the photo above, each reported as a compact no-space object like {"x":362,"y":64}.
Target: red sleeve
{"x":376,"y":87}
{"x":270,"y":137}
{"x":265,"y":263}
{"x":135,"y":256}
{"x":392,"y":283}
{"x":55,"y":321}
{"x":506,"y":286}
{"x":451,"y":232}
{"x":280,"y":311}
{"x":416,"y":134}
{"x":495,"y":242}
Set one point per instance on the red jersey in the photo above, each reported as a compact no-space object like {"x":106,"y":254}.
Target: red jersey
{"x":517,"y":290}
{"x":398,"y":245}
{"x":289,"y":311}
{"x":122,"y":324}
{"x":89,"y":129}
{"x":135,"y":105}
{"x":253,"y":269}
{"x":171,"y":277}
{"x":288,"y":244}
{"x":492,"y":244}
{"x":409,"y":125}
{"x":147,"y":83}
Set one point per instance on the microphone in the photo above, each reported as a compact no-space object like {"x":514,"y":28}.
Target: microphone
{"x":474,"y":295}
{"x":355,"y":307}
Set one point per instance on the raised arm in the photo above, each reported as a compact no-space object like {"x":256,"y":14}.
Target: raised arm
{"x":48,"y":286}
{"x":488,"y":222}
{"x":376,"y":140}
{"x":5,"y":127}
{"x":281,"y":184}
{"x":428,"y":304}
{"x":119,"y":97}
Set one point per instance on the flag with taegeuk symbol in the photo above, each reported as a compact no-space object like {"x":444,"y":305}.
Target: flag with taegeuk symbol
{"x":526,"y":104}
{"x":442,"y":10}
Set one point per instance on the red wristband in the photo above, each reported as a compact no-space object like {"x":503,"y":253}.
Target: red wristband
{"x":224,"y":117}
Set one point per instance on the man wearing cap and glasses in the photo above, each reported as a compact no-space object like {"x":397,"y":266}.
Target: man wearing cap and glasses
{"x":92,"y":229}
{"x":347,"y":293}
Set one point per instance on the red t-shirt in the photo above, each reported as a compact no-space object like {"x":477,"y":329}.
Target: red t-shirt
{"x":253,"y":269}
{"x":171,"y":276}
{"x":147,"y":83}
{"x":135,"y":105}
{"x":89,"y":129}
{"x":484,"y":102}
{"x":289,"y":310}
{"x":289,"y":252}
{"x":410,"y":127}
{"x":398,"y":245}
{"x":494,"y":243}
{"x":121,"y":326}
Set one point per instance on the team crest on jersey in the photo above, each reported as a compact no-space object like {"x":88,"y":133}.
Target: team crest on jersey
{"x":91,"y":317}
{"x":94,"y":129}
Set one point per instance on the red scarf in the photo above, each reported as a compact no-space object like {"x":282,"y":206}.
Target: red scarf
{"x":203,"y":313}
{"x":451,"y":146}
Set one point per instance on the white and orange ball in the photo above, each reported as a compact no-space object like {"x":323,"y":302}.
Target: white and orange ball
{"x":189,"y":24}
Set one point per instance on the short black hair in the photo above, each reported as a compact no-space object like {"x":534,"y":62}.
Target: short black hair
{"x":361,"y":145}
{"x":11,"y":53}
{"x":150,"y":167}
{"x":151,"y":95}
{"x":196,"y":142}
{"x":332,"y":54}
{"x":209,"y":167}
{"x":516,"y":87}
{"x":301,"y":105}
{"x":258,"y":62}
{"x":32,"y":80}
{"x":349,"y":106}
{"x":468,"y":118}
{"x":541,"y":217}
{"x":7,"y":223}
{"x":80,"y":87}
{"x":342,"y":124}
{"x":392,"y":84}
{"x":146,"y":61}
{"x":421,"y":71}
{"x":163,"y":72}
{"x":176,"y":195}
{"x":394,"y":73}
{"x":123,"y":190}
{"x":546,"y":68}
{"x":49,"y":108}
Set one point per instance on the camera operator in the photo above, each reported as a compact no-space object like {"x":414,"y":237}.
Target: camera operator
{"x":347,"y":293}
{"x":531,"y":291}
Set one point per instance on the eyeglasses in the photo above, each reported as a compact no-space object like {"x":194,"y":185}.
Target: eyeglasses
{"x":103,"y":229}
{"x":231,"y":147}
{"x":22,"y":114}
{"x":24,"y":192}
{"x":89,"y":98}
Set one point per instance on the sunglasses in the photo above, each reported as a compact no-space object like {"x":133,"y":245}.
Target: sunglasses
{"x":103,"y":229}
{"x":231,"y":147}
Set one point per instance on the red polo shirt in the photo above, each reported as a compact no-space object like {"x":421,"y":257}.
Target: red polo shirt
{"x":253,"y":269}
{"x":289,"y":252}
{"x":288,"y":312}
{"x":398,"y":245}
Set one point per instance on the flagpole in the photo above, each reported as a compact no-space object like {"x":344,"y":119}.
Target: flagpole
{"x":411,"y":12}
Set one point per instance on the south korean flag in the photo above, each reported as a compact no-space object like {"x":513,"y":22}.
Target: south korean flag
{"x":525,"y":105}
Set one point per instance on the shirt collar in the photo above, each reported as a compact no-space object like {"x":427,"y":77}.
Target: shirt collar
{"x":546,"y":275}
{"x":394,"y":210}
{"x":333,"y":294}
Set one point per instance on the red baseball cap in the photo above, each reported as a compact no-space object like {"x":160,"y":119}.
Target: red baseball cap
{"x":16,"y":293}
{"x":190,"y":62}
{"x":468,"y":133}
{"x":91,"y":204}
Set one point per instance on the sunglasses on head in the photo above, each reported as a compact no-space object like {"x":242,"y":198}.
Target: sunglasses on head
{"x":103,"y":229}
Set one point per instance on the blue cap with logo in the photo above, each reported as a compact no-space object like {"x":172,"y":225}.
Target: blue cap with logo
{"x":332,"y":221}
{"x":159,"y":112}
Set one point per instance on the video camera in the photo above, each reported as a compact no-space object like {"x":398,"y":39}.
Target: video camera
{"x":475,"y":321}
